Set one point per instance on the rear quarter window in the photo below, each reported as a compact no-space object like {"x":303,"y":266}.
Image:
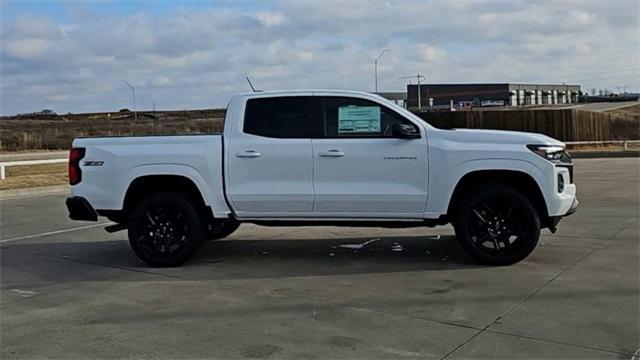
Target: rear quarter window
{"x":278,"y":117}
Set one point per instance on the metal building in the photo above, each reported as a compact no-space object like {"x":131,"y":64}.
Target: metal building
{"x":463,"y":95}
{"x":399,"y":98}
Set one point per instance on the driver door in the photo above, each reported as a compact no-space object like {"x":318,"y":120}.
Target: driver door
{"x":360,"y":168}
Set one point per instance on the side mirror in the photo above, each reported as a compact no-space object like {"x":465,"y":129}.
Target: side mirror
{"x":405,"y":131}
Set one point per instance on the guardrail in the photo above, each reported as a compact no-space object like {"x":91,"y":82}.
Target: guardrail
{"x":624,"y":143}
{"x":3,"y":165}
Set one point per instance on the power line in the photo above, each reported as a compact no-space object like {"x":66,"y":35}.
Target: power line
{"x":419,"y":77}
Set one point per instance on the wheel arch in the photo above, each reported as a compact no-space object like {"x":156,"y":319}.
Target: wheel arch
{"x":519,"y":180}
{"x":146,"y":185}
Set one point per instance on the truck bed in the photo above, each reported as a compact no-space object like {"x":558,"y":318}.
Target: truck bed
{"x":111,"y":163}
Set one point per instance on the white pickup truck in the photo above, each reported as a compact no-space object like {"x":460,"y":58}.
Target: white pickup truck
{"x":323,"y":158}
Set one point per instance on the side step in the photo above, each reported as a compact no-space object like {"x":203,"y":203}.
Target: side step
{"x":115,"y":227}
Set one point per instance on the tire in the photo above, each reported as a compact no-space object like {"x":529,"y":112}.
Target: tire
{"x":497,"y":225}
{"x":221,"y":229}
{"x":165,"y":230}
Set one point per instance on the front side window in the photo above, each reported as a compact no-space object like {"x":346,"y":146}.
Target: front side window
{"x":278,"y":117}
{"x":349,"y":117}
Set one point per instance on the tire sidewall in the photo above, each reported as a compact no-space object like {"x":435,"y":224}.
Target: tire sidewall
{"x":463,"y":215}
{"x":194,"y":228}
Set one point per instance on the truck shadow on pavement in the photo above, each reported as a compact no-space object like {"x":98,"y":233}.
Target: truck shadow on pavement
{"x":238,"y":258}
{"x":308,"y":257}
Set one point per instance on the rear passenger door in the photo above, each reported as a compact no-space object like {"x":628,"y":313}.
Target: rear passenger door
{"x":270,"y":166}
{"x":361,"y":169}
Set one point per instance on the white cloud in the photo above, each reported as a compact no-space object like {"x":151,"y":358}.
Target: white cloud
{"x":27,"y":48}
{"x":198,"y":57}
{"x":270,"y":18}
{"x":431,"y":53}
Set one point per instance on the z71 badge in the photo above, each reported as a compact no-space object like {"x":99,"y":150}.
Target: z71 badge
{"x":93,"y":163}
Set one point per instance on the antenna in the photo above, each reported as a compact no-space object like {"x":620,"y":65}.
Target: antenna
{"x":250,"y":84}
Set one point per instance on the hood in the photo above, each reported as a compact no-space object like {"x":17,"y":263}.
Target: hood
{"x":498,"y":136}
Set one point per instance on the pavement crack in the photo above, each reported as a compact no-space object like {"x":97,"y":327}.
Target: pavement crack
{"x":56,"y":232}
{"x":563,"y":271}
{"x":536,"y":291}
{"x":585,"y":347}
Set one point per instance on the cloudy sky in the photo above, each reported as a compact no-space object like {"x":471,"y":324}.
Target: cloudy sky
{"x":72,"y":56}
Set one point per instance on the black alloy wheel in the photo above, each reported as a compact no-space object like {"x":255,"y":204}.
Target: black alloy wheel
{"x":165,"y":230}
{"x":497,"y":225}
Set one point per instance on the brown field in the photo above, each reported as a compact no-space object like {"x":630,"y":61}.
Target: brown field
{"x":629,"y":112}
{"x":34,"y":175}
{"x":57,"y":132}
{"x":623,"y":117}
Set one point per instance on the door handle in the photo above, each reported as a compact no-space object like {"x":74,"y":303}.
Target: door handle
{"x":333,"y":153}
{"x":248,"y":154}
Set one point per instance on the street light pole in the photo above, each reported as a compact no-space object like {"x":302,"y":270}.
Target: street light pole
{"x":133,"y":92}
{"x":375,"y":66}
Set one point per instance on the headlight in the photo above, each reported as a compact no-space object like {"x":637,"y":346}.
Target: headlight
{"x":549,"y":152}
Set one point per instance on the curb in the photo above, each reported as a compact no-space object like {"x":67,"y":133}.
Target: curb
{"x":603,"y":154}
{"x":41,"y":190}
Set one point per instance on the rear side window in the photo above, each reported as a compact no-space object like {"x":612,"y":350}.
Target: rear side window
{"x":278,"y":117}
{"x":351,"y":117}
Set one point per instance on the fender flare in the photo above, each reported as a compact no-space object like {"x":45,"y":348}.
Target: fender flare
{"x":219,"y":208}
{"x":442,"y":199}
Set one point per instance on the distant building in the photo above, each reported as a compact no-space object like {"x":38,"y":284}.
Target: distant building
{"x":465,"y":95}
{"x":399,"y":98}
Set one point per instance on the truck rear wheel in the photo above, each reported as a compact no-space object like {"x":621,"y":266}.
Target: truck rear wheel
{"x":497,"y":225}
{"x":165,"y":230}
{"x":221,"y":229}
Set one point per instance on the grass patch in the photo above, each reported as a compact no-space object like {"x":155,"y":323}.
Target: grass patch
{"x":18,"y":177}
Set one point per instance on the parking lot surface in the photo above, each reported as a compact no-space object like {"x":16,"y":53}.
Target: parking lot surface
{"x":71,"y":290}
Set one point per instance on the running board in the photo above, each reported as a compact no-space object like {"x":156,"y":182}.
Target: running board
{"x":115,"y":227}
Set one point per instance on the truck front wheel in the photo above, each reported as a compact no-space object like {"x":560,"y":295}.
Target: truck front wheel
{"x":497,"y":225}
{"x":165,"y":230}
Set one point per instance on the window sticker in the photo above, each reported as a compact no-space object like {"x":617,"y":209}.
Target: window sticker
{"x":358,"y":119}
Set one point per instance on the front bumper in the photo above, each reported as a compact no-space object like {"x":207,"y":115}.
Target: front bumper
{"x":80,"y":209}
{"x":574,"y":207}
{"x":554,"y":220}
{"x":559,"y":202}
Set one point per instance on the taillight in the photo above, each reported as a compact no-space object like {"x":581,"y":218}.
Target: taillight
{"x":75,"y":173}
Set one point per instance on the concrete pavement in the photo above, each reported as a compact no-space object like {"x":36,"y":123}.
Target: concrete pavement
{"x":73,"y":291}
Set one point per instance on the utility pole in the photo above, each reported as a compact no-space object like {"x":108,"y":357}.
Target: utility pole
{"x":375,"y":66}
{"x":418,"y":77}
{"x":133,"y":91}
